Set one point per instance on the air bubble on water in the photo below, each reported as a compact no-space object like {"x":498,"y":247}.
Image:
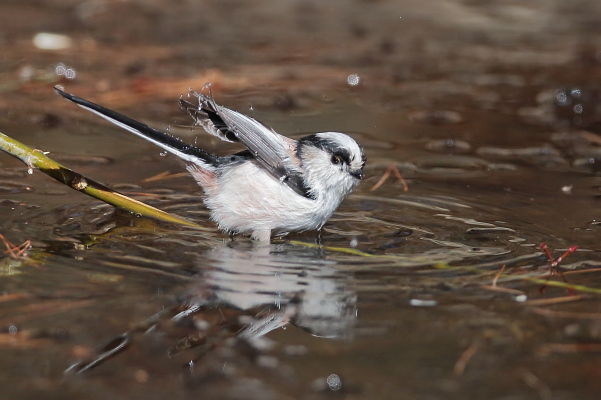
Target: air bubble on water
{"x":578,"y":108}
{"x":30,"y":171}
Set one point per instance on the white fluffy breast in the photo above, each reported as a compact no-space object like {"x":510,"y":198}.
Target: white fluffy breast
{"x":246,"y":199}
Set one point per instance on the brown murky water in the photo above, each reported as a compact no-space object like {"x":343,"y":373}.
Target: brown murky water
{"x":491,"y":113}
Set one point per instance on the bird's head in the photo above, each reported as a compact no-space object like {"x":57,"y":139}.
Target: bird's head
{"x":332,"y":163}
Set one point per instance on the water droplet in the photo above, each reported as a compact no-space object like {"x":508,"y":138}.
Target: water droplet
{"x":70,"y":73}
{"x":578,"y":108}
{"x":79,"y":183}
{"x":334,"y":382}
{"x":163,"y":154}
{"x":60,"y":69}
{"x":353,"y":79}
{"x":30,"y":171}
{"x":562,"y":98}
{"x":251,"y":108}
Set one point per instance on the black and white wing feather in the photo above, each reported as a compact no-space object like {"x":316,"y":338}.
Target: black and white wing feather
{"x":275,"y":152}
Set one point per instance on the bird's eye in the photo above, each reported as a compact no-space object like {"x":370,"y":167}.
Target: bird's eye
{"x":336,"y":160}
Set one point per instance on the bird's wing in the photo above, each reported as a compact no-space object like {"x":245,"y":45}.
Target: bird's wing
{"x":172,"y":144}
{"x":276,"y":153}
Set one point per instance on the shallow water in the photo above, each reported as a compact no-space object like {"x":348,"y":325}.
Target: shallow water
{"x":489,"y":111}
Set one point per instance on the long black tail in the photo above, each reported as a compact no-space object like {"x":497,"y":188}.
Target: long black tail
{"x":166,"y":141}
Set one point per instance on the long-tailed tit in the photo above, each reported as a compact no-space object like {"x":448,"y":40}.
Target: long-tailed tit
{"x":277,"y":186}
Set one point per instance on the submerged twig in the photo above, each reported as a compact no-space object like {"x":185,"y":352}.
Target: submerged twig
{"x":543,"y":390}
{"x":392,"y":169}
{"x":496,"y":278}
{"x":165,"y":175}
{"x":37,"y":159}
{"x":445,"y":266}
{"x":549,"y":348}
{"x":554,"y":300}
{"x":501,"y":289}
{"x":14,"y":251}
{"x":554,"y":264}
{"x":464,"y":359}
{"x":565,"y":314}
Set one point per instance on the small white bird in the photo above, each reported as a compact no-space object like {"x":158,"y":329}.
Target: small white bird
{"x":279,"y":185}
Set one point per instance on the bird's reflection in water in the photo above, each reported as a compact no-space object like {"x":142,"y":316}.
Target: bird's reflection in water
{"x":244,"y":291}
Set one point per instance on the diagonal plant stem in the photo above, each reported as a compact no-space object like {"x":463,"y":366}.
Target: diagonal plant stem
{"x":34,"y":158}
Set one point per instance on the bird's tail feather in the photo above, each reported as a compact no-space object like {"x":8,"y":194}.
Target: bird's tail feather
{"x":162,"y":139}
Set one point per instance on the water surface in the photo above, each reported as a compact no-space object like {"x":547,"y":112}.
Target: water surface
{"x":436,"y":289}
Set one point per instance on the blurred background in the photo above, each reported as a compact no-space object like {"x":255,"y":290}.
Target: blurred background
{"x":489,"y":111}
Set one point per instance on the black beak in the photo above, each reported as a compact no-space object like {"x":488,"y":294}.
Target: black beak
{"x":357,"y":174}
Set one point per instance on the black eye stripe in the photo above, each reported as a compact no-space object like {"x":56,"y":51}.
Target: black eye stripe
{"x":344,"y":155}
{"x":327,"y":146}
